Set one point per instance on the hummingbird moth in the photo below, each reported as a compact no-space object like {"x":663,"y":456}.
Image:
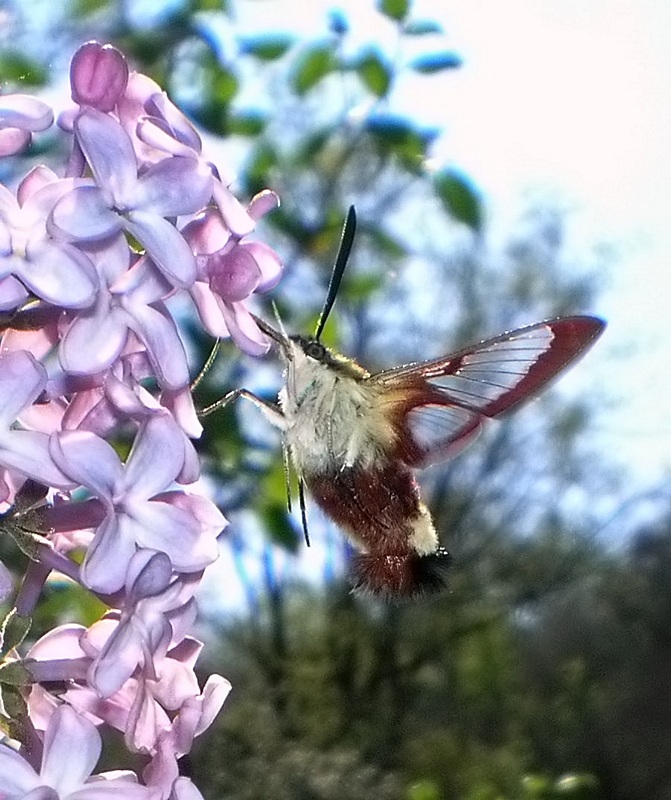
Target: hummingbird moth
{"x":354,"y":438}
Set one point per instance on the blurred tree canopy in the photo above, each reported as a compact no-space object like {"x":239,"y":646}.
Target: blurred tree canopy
{"x":544,"y":672}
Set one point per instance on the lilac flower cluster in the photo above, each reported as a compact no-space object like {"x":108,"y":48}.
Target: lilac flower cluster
{"x":87,"y":263}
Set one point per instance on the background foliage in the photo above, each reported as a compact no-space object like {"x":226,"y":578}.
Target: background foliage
{"x":544,"y":672}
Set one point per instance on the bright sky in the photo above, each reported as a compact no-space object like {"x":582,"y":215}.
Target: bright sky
{"x":568,"y":99}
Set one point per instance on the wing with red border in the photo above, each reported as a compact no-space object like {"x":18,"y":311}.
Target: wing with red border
{"x":442,"y":402}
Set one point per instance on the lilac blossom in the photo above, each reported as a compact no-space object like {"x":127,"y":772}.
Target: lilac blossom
{"x":98,"y":76}
{"x":20,"y":116}
{"x":132,"y":304}
{"x":122,"y":199}
{"x":30,"y":259}
{"x":230,"y":269}
{"x":135,"y":518}
{"x":72,"y":747}
{"x":22,"y":379}
{"x":91,"y":354}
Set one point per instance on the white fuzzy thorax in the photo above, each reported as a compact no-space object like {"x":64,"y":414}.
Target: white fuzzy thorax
{"x":333,"y":421}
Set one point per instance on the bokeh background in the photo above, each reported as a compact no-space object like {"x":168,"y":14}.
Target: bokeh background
{"x":508,"y":160}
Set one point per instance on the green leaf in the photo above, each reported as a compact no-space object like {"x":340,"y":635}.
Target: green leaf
{"x":387,"y":245}
{"x":266,"y":47}
{"x":14,"y":630}
{"x":421,"y":27}
{"x":224,"y":86}
{"x":85,"y":8}
{"x":15,"y":68}
{"x":311,"y":66}
{"x":247,"y":123}
{"x":397,"y":136}
{"x":279,"y":526}
{"x":256,"y":175}
{"x":459,"y":197}
{"x":13,"y":673}
{"x":436,"y":62}
{"x":424,"y":790}
{"x":374,"y":71}
{"x":395,"y":9}
{"x":313,"y":144}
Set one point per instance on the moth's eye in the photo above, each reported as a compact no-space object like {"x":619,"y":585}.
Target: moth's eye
{"x":315,"y":350}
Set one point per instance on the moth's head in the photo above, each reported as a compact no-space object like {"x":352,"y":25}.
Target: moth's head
{"x":311,"y":351}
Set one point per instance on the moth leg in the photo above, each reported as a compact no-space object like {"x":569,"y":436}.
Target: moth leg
{"x":304,"y":516}
{"x":207,"y":366}
{"x":271,"y":411}
{"x":286,"y":462}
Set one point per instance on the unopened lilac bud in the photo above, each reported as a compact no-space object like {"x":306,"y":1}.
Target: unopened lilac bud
{"x":98,"y":76}
{"x":235,"y":275}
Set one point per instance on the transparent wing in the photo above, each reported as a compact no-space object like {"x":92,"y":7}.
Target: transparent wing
{"x":444,"y":400}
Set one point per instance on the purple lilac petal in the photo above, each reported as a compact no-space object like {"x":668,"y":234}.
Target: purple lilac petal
{"x":263,"y":203}
{"x":83,"y":215}
{"x":93,"y":342}
{"x":267,"y":261}
{"x":72,"y":747}
{"x":156,"y":457}
{"x":181,"y":406}
{"x":24,"y":111}
{"x":59,"y":274}
{"x":17,"y":777}
{"x":109,"y":151}
{"x":29,"y":453}
{"x":156,"y":133}
{"x":13,"y":140}
{"x":173,"y":187}
{"x":117,"y":661}
{"x":22,"y":379}
{"x":210,"y":310}
{"x":149,"y":573}
{"x":214,"y":693}
{"x":156,"y":329}
{"x":98,"y":75}
{"x":36,"y":179}
{"x":207,"y":233}
{"x":107,"y":558}
{"x":176,"y":684}
{"x":183,"y":789}
{"x":160,"y":526}
{"x":61,"y":642}
{"x":12,"y":293}
{"x":158,"y":105}
{"x":234,"y":276}
{"x":88,"y":460}
{"x":166,"y":246}
{"x":244,"y":331}
{"x":146,"y":720}
{"x":234,"y":213}
{"x":6,"y":582}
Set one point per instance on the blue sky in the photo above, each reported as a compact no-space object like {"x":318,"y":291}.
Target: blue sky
{"x":570,"y":100}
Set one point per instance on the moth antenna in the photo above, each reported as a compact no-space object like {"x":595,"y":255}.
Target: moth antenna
{"x":345,"y":248}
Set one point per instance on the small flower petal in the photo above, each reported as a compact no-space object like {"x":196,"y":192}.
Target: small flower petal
{"x":83,"y":215}
{"x":88,"y":460}
{"x":109,"y":151}
{"x":166,"y":246}
{"x":174,"y":186}
{"x":72,"y":748}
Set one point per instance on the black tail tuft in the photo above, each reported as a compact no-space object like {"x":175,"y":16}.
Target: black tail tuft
{"x":395,"y":575}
